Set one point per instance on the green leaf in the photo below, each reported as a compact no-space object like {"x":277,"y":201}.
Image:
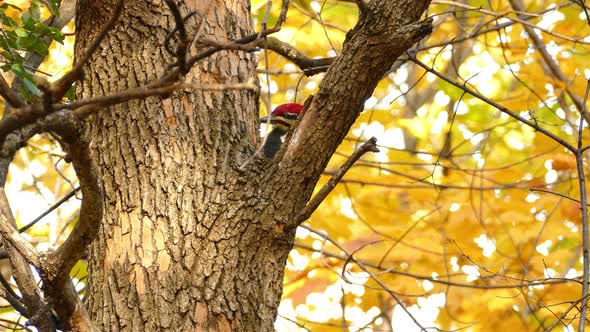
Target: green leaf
{"x":9,"y":40}
{"x":33,"y":44}
{"x":26,"y":79}
{"x":53,"y":6}
{"x":19,"y":70}
{"x":22,"y":32}
{"x":8,"y":56}
{"x":51,"y":32}
{"x":31,"y":87}
{"x":71,"y":93}
{"x":32,"y":17}
{"x":7,"y":20}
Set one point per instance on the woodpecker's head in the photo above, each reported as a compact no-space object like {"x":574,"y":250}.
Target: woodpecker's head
{"x":284,"y":116}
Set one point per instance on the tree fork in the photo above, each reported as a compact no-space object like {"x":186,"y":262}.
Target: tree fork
{"x":188,"y":240}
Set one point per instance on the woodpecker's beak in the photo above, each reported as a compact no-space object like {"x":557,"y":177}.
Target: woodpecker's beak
{"x":277,"y":121}
{"x":264,"y":119}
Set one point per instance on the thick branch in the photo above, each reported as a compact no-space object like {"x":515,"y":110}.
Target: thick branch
{"x":67,"y":304}
{"x":11,"y":235}
{"x":23,"y":275}
{"x":56,"y":266}
{"x":303,"y":62}
{"x":64,"y":258}
{"x":40,"y":317}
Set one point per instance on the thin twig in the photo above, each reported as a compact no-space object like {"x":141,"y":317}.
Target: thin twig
{"x":87,"y":106}
{"x":49,"y":210}
{"x":584,"y":203}
{"x":184,"y":42}
{"x":439,"y":279}
{"x":11,"y":293}
{"x":369,"y":272}
{"x":505,"y":15}
{"x":556,"y":194}
{"x":282,"y":15}
{"x":245,"y":40}
{"x":494,"y":104}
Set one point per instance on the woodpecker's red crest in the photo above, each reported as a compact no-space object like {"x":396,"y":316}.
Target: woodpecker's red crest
{"x":284,"y":116}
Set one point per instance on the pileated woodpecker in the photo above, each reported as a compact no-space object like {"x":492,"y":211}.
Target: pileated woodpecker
{"x":282,"y":118}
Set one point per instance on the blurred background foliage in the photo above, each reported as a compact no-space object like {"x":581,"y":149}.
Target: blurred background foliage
{"x":467,"y":215}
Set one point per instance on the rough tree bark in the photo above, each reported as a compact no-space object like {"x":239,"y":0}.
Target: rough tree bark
{"x":190,"y":239}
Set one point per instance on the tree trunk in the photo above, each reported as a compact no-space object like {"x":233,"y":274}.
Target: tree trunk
{"x":180,"y":246}
{"x":196,"y":229}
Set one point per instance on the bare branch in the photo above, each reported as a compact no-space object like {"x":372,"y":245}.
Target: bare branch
{"x":228,"y":46}
{"x":441,"y":279}
{"x":220,"y":87}
{"x":54,"y":268}
{"x":49,"y":210}
{"x":11,"y":297}
{"x":497,"y":106}
{"x":10,"y":233}
{"x":85,"y":107}
{"x":283,"y":14}
{"x":308,"y":65}
{"x":366,"y":55}
{"x":245,"y":40}
{"x":184,"y":42}
{"x":315,"y":202}
{"x":67,"y":304}
{"x":22,"y":273}
{"x":556,"y":194}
